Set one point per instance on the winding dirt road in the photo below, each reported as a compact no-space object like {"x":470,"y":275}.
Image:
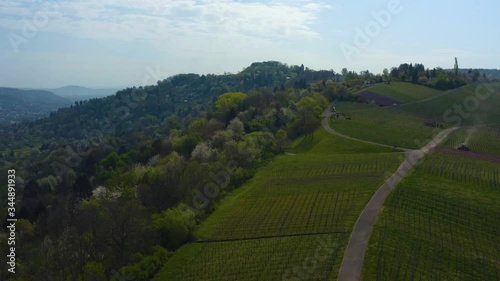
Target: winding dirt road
{"x":352,"y":264}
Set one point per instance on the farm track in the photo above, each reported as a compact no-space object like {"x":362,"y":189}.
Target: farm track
{"x":352,"y":263}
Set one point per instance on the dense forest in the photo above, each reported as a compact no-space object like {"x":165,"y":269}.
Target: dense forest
{"x":111,"y":186}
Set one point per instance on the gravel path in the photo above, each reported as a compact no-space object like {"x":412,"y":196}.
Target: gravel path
{"x":352,"y":264}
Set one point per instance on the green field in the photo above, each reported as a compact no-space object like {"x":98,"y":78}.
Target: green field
{"x":405,"y":92}
{"x":463,"y":104}
{"x":281,"y":258}
{"x":403,"y":125}
{"x":276,"y":221}
{"x":481,"y":139}
{"x":441,"y":223}
{"x":382,"y":125}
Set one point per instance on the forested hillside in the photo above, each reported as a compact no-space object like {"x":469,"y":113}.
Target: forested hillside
{"x":102,"y":181}
{"x":115,"y":184}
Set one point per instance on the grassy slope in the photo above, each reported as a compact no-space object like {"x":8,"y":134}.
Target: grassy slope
{"x":382,"y":125}
{"x":486,"y":113}
{"x":405,"y":92}
{"x":321,"y":189}
{"x":441,"y":223}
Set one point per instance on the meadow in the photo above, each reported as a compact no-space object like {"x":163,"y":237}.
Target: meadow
{"x":403,"y":125}
{"x":276,"y":221}
{"x":382,"y":125}
{"x":470,"y":105}
{"x":441,"y":223}
{"x":405,"y":92}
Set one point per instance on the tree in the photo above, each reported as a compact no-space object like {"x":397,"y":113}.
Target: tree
{"x":414,"y":77}
{"x":281,"y":139}
{"x":310,"y":116}
{"x":174,"y":227}
{"x":236,"y":126}
{"x":386,"y":74}
{"x":82,"y":187}
{"x":94,"y":271}
{"x":394,"y":73}
{"x":227,"y":104}
{"x":116,"y":221}
{"x":475,"y":75}
{"x":162,"y":186}
{"x":202,"y":152}
{"x":185,"y":144}
{"x":456,"y":67}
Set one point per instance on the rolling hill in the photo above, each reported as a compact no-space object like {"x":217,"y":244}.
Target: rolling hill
{"x":474,"y":104}
{"x":24,"y":105}
{"x":300,"y":204}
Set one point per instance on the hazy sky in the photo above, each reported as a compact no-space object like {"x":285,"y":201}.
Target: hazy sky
{"x":117,"y":43}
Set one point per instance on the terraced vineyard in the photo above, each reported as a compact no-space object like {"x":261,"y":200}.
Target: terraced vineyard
{"x":441,"y":223}
{"x":481,"y":139}
{"x":275,"y":224}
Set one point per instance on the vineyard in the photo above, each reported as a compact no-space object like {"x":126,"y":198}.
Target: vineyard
{"x":405,"y":92}
{"x":302,"y":194}
{"x":381,"y":125}
{"x":276,"y":222}
{"x":284,"y":258}
{"x":479,"y":139}
{"x":469,"y":100}
{"x":441,"y":223}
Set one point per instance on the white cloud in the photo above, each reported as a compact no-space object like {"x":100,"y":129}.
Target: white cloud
{"x":203,"y":36}
{"x":153,"y":19}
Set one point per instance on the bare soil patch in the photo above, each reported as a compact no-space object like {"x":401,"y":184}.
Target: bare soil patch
{"x":378,"y":99}
{"x":478,"y":155}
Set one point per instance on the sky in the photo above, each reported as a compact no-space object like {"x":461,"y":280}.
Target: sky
{"x":122,"y":43}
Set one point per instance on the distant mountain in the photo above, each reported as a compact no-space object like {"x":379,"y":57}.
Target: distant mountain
{"x":18,"y":105}
{"x":78,"y":93}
